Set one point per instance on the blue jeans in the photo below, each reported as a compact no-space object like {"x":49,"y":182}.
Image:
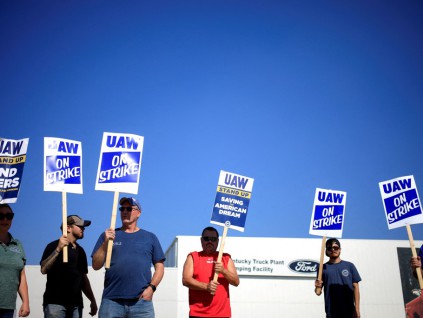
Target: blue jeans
{"x":120,"y":308}
{"x":59,"y":311}
{"x":6,"y":313}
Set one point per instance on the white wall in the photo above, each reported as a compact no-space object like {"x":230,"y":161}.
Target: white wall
{"x":270,"y":296}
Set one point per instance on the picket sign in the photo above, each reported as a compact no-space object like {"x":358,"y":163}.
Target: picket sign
{"x":63,"y":173}
{"x":402,"y":207}
{"x":13,"y":158}
{"x":119,"y":152}
{"x":237,"y":189}
{"x":327,"y":218}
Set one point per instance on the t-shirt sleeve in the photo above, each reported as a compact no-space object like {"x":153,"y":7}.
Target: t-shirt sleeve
{"x":98,"y":244}
{"x":226,"y":259}
{"x":48,"y":250}
{"x":355,"y":275}
{"x":23,"y":252}
{"x":158,"y":254}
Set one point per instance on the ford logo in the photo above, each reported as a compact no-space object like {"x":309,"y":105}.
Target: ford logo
{"x":304,"y":266}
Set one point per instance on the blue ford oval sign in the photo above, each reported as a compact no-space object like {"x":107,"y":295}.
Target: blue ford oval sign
{"x":304,"y":266}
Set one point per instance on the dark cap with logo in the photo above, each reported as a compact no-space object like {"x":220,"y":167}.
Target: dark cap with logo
{"x":332,"y":241}
{"x":131,"y":201}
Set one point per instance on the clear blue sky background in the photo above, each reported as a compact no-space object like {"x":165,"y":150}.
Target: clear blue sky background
{"x":296,"y":94}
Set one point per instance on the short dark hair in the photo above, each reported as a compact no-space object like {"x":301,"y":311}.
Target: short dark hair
{"x":331,"y":241}
{"x":210,"y":228}
{"x":5,"y":205}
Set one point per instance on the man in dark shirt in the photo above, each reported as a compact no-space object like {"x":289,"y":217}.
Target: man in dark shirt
{"x":340,"y":284}
{"x":66,"y":281}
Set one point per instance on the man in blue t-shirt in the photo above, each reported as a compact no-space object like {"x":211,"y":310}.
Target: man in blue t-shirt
{"x":128,"y":285}
{"x":416,"y":262}
{"x":340,"y":284}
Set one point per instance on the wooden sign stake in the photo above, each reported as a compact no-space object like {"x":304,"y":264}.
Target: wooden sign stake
{"x":64,"y":225}
{"x":112,"y":226}
{"x":318,"y":291}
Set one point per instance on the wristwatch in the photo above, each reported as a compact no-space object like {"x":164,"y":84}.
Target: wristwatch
{"x":153,"y":287}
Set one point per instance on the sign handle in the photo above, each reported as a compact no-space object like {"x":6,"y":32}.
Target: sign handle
{"x":413,"y":252}
{"x":112,"y":226}
{"x":318,"y":290}
{"x":222,"y":246}
{"x":64,"y":225}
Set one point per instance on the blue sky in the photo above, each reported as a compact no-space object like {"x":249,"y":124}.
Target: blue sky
{"x":295,"y":94}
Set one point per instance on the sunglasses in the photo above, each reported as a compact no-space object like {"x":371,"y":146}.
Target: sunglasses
{"x":209,"y":239}
{"x":8,"y":216}
{"x":127,"y":208}
{"x":333,"y":248}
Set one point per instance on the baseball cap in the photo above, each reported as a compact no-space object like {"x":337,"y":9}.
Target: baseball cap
{"x":76,"y":220}
{"x":331,"y":241}
{"x":131,"y":201}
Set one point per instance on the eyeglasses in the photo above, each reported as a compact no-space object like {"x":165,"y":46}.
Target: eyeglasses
{"x":209,"y":238}
{"x":332,"y":248}
{"x":8,"y":216}
{"x":127,"y":208}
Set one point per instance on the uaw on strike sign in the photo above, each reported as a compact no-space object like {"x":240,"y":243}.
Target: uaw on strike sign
{"x":401,"y":202}
{"x":328,"y":213}
{"x":62,"y":165}
{"x":232,"y":200}
{"x":12,"y":161}
{"x":120,"y":163}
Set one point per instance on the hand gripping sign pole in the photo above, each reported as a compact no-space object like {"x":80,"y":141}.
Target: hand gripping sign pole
{"x":402,"y":208}
{"x":63,"y":173}
{"x":327,"y":219}
{"x":231,"y":205}
{"x":119,"y":171}
{"x":414,"y":254}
